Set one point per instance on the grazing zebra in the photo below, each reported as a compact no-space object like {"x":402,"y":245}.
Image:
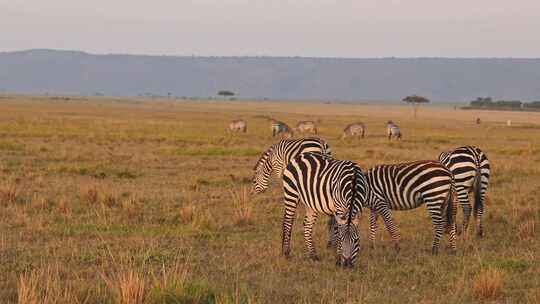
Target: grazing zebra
{"x":354,"y":129}
{"x":471,"y":170}
{"x":305,"y":127}
{"x":408,"y":186}
{"x":328,"y":186}
{"x":237,"y":126}
{"x":278,"y":156}
{"x":279,"y":127}
{"x":393,"y":130}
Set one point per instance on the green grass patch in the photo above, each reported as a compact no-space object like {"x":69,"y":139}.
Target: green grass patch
{"x":508,"y":264}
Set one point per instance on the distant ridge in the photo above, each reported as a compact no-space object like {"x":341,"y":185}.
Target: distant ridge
{"x":45,"y":71}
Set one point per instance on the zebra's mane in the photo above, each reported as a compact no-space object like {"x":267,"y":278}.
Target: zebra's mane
{"x":264,"y":157}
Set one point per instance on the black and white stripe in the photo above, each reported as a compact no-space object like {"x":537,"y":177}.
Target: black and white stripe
{"x":279,"y":127}
{"x":328,"y":186}
{"x":277,"y":157}
{"x":471,"y":170}
{"x":408,"y":186}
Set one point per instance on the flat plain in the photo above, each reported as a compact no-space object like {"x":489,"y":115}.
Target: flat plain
{"x":126,"y":200}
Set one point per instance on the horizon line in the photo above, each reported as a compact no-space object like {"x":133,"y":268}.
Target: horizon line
{"x":260,"y":56}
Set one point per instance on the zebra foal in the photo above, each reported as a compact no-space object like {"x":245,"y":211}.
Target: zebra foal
{"x":328,"y":186}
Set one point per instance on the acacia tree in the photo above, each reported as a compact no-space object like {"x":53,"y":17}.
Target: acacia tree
{"x":415,"y":101}
{"x":225,"y":93}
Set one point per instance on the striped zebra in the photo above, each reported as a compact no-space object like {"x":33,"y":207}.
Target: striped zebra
{"x":408,"y":186}
{"x":471,"y":170}
{"x":279,"y":127}
{"x":305,"y":127}
{"x":278,"y":156}
{"x":393,"y":130}
{"x":354,"y":129}
{"x":328,"y":186}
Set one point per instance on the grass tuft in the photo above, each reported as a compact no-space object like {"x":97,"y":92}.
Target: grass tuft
{"x":243,"y":209}
{"x":127,"y":286}
{"x":488,"y":284}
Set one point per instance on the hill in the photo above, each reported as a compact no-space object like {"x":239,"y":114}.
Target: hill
{"x":442,"y":79}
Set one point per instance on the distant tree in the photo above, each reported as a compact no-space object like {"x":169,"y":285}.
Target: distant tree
{"x":415,"y":101}
{"x":225,"y":93}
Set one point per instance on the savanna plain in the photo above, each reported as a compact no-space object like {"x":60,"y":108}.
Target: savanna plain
{"x":119,"y":200}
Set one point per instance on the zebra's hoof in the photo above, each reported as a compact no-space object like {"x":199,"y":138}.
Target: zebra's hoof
{"x":480,"y":234}
{"x":434,"y":251}
{"x":453,"y":252}
{"x":397,"y":248}
{"x":314,"y":258}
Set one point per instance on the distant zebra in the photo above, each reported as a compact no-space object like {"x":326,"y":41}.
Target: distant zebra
{"x":237,"y":126}
{"x":354,"y":129}
{"x":305,"y":127}
{"x":328,"y":186}
{"x":278,"y":156}
{"x":393,"y":130}
{"x":408,"y":186}
{"x":279,"y":127}
{"x":471,"y":170}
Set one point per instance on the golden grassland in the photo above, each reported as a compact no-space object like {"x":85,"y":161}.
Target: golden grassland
{"x":117,"y":200}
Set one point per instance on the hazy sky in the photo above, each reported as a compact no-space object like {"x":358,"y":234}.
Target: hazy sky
{"x":323,"y":28}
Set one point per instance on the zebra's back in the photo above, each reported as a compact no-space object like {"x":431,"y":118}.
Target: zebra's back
{"x":409,"y":185}
{"x":465,"y":163}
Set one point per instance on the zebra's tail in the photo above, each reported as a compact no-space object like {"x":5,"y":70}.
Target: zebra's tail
{"x":477,"y":185}
{"x":448,"y":210}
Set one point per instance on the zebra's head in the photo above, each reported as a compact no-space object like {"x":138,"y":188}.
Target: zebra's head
{"x":263,"y":169}
{"x":349,"y":238}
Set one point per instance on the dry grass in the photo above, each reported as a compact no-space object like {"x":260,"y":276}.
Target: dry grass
{"x":160,"y":184}
{"x":44,"y":286}
{"x":127,"y":286}
{"x":243,"y":212}
{"x":526,"y":230}
{"x":9,"y":192}
{"x":488,"y":284}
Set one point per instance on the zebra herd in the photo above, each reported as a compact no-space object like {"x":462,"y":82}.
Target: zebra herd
{"x":340,"y":189}
{"x":280,"y":128}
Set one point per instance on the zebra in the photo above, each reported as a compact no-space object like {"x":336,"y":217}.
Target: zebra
{"x":237,"y":126}
{"x":328,"y":186}
{"x":278,"y":156}
{"x":282,"y":128}
{"x":354,"y":129}
{"x":408,"y":186}
{"x":393,"y":130}
{"x":471,"y":170}
{"x":305,"y":126}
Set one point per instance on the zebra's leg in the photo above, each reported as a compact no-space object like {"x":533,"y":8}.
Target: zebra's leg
{"x":309,"y":221}
{"x":332,"y":232}
{"x":390,"y":226}
{"x":291,"y":202}
{"x":478,"y":216}
{"x":436,"y":213}
{"x":373,"y":216}
{"x":463,"y":198}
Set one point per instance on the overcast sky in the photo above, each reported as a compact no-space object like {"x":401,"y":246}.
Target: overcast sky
{"x":322,"y":28}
